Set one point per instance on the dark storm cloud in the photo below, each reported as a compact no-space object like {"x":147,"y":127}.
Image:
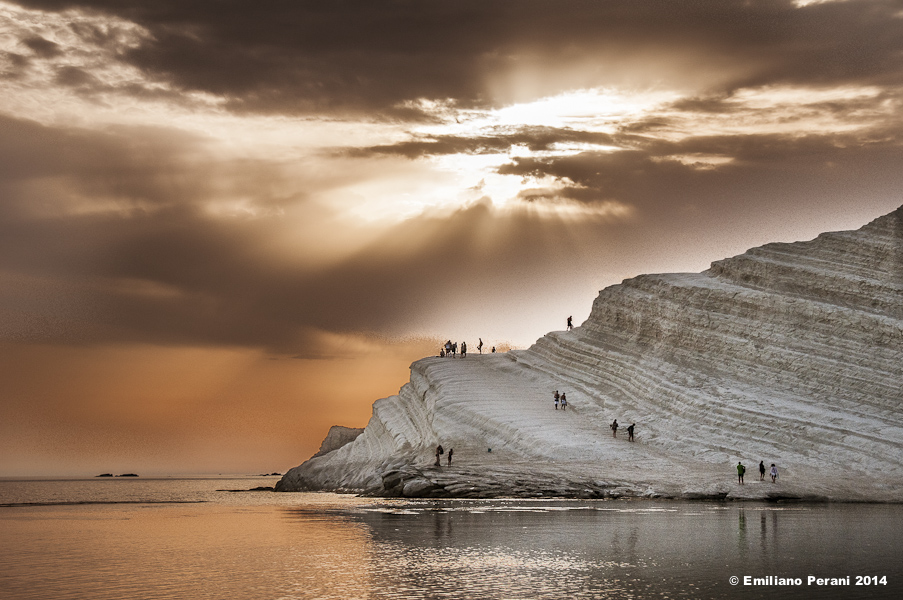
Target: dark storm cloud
{"x":761,"y":173}
{"x":137,"y":257}
{"x":302,"y":56}
{"x":139,"y":166}
{"x":41,"y":47}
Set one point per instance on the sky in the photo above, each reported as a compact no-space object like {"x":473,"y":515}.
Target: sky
{"x":226,"y":226}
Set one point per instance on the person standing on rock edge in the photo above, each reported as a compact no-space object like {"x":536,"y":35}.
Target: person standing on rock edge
{"x":463,"y":349}
{"x":570,"y":323}
{"x":774,"y":472}
{"x":480,"y":346}
{"x":630,"y":432}
{"x":556,"y":399}
{"x":450,"y":452}
{"x":761,"y":470}
{"x":614,"y":428}
{"x":740,"y":471}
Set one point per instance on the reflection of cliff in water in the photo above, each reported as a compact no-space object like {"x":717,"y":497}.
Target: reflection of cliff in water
{"x":558,"y":549}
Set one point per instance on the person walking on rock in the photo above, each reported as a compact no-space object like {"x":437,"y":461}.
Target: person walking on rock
{"x":463,"y":349}
{"x":740,"y":471}
{"x":556,"y":399}
{"x":614,"y":428}
{"x":480,"y":345}
{"x":630,"y":432}
{"x":564,"y":401}
{"x":761,"y":470}
{"x":774,"y":472}
{"x":450,"y":452}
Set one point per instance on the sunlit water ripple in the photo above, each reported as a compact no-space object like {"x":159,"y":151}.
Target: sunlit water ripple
{"x":185,"y":538}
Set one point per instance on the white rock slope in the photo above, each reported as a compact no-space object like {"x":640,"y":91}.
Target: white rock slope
{"x":790,"y":353}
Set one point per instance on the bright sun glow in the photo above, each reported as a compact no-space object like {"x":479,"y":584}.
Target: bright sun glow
{"x":314,"y":156}
{"x":597,"y":110}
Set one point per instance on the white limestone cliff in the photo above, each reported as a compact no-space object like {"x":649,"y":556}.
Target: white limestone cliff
{"x":789,"y":353}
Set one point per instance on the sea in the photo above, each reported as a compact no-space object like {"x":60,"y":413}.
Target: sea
{"x":209,"y":537}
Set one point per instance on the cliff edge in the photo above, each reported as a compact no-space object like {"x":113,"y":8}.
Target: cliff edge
{"x":791,"y":353}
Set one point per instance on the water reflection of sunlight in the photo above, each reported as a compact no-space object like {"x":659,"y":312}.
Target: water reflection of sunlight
{"x":487,"y":571}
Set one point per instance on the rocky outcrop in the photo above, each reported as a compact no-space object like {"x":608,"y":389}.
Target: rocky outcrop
{"x":337,"y":437}
{"x":789,"y":353}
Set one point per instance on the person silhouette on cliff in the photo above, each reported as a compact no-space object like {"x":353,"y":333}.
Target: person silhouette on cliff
{"x":761,"y":470}
{"x":614,"y":428}
{"x":630,"y":432}
{"x":450,"y":452}
{"x":463,"y":349}
{"x":570,"y":323}
{"x":480,"y":346}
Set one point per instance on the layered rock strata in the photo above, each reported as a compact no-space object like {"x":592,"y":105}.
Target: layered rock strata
{"x":789,"y":353}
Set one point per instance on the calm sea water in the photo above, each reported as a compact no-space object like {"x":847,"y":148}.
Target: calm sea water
{"x":184,"y":538}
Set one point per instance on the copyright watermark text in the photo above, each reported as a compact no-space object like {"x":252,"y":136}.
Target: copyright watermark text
{"x":810,"y":580}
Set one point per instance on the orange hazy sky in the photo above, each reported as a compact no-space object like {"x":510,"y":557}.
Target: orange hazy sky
{"x":223,"y":230}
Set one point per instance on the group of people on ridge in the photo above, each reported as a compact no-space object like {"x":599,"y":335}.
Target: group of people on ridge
{"x":741,"y":470}
{"x":451,"y":349}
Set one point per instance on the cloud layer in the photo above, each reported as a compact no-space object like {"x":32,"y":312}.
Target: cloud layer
{"x":316,"y":180}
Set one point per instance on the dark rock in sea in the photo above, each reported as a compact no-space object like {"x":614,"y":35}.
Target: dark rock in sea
{"x":127,"y":475}
{"x":104,"y":475}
